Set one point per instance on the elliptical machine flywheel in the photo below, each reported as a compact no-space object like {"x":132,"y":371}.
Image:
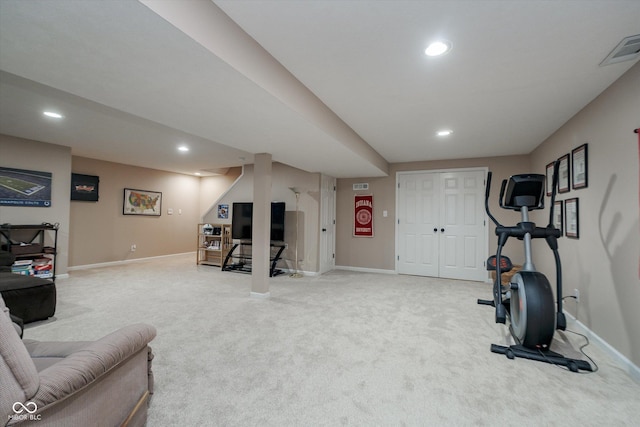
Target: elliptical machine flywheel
{"x":528,"y":300}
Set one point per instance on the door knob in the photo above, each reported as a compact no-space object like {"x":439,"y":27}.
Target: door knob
{"x":442,"y":230}
{"x":435,"y":230}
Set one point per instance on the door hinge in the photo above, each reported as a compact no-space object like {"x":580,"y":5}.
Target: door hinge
{"x":398,"y":257}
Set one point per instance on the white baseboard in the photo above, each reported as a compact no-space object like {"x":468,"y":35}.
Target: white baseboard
{"x":126,"y":261}
{"x":365,"y":270}
{"x":630,"y":368}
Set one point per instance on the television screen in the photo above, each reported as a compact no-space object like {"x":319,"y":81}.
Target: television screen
{"x":242,"y":217}
{"x":277,"y":221}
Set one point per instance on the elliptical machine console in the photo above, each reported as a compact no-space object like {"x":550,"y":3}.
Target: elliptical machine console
{"x":528,"y":300}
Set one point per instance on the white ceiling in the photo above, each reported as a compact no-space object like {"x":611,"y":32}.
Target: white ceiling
{"x":339,"y":87}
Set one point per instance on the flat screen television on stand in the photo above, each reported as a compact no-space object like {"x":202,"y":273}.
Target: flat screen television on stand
{"x":242,"y":217}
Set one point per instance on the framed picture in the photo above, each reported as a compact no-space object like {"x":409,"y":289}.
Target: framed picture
{"x":142,"y":202}
{"x":549,"y":178}
{"x":223,"y":211}
{"x":558,"y":216}
{"x":363,"y":216}
{"x":84,"y":187}
{"x":572,"y":215}
{"x":26,"y":188}
{"x":579,"y":167}
{"x":563,"y":174}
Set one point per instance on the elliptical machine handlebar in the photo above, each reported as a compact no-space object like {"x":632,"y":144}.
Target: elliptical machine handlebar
{"x":487,"y":190}
{"x":556,"y":168}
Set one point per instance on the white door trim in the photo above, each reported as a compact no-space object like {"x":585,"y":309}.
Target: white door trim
{"x":485,"y":171}
{"x":327,"y":238}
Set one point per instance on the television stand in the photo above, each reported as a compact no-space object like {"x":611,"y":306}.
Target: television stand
{"x":241,"y":262}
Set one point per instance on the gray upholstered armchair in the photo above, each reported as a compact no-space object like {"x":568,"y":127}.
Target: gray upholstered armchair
{"x":103,"y":383}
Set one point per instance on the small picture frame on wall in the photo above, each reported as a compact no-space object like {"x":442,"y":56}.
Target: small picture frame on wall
{"x":572,"y":215}
{"x":142,"y":202}
{"x":84,"y":187}
{"x":563,"y":174}
{"x":579,"y":167}
{"x":558,"y":216}
{"x":223,"y":211}
{"x":549,"y":178}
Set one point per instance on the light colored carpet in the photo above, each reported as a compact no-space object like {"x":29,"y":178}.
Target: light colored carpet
{"x":344,"y":348}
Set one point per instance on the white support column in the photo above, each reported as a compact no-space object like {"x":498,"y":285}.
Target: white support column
{"x":261,"y":235}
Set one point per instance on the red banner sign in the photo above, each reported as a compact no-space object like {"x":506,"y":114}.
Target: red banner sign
{"x":363,"y":216}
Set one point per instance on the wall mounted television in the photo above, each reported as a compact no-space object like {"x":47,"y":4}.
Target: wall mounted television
{"x":242,"y":217}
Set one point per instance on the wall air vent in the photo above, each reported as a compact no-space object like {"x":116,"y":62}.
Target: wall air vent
{"x":361,"y":186}
{"x":628,"y":49}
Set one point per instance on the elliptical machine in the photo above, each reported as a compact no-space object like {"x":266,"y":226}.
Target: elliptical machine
{"x":528,"y":301}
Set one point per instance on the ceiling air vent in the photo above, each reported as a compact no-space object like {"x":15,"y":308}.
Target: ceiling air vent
{"x":627,"y":50}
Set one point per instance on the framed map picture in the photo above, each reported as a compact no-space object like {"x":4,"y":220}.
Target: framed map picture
{"x":142,"y":202}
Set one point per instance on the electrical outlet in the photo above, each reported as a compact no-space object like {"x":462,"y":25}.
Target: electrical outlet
{"x":133,"y":247}
{"x":576,"y":294}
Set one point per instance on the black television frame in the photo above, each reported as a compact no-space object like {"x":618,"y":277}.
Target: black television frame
{"x":242,"y":221}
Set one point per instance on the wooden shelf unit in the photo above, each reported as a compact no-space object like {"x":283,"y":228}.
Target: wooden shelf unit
{"x":35,"y":243}
{"x":214,"y":241}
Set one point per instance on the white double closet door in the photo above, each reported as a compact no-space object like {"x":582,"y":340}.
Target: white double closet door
{"x":441,"y":225}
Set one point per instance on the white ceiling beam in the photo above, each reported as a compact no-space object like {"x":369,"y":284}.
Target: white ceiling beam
{"x":208,"y":25}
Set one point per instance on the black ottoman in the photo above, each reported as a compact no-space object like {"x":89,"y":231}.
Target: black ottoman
{"x":27,"y":297}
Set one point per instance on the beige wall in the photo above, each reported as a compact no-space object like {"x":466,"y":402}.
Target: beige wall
{"x":604,"y":262}
{"x":101,"y":233}
{"x":32,"y":155}
{"x":379,"y":252}
{"x":284,"y":177}
{"x":212,"y":188}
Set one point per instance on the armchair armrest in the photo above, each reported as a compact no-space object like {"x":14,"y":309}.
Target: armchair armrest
{"x":79,"y":369}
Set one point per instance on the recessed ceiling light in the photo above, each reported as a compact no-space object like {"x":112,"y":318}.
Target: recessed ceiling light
{"x":197,"y":173}
{"x":444,"y":132}
{"x":183,"y":148}
{"x":438,"y":48}
{"x":52,"y":114}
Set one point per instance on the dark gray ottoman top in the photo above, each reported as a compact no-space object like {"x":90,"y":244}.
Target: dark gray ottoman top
{"x":28,"y":297}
